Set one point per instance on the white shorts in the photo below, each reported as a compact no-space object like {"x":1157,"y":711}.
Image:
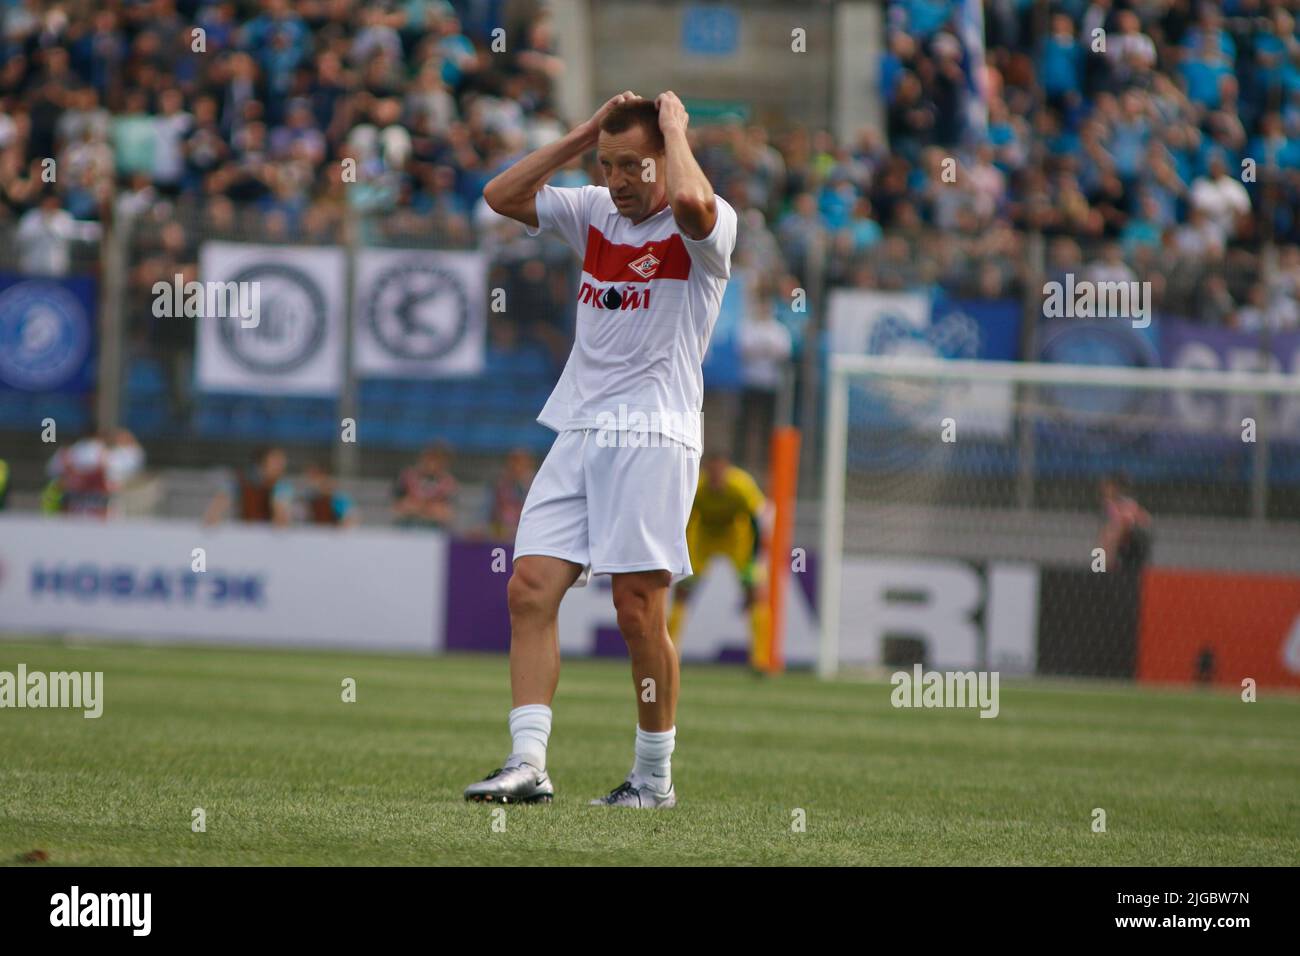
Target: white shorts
{"x":611,"y":509}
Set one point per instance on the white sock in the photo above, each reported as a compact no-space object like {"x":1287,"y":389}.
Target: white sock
{"x":530,"y":728}
{"x":654,"y":755}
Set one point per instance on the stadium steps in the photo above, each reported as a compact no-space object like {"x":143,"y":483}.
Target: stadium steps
{"x":486,"y":414}
{"x":1052,"y":537}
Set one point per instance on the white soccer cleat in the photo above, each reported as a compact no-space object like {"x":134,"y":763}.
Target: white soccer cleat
{"x":522,"y":783}
{"x":628,"y":794}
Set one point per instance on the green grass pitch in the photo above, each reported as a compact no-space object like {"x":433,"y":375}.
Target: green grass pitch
{"x":287,"y":773}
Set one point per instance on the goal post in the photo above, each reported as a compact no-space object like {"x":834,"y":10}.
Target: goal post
{"x":930,"y":458}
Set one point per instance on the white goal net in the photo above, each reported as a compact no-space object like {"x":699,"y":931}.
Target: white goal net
{"x":1062,"y":520}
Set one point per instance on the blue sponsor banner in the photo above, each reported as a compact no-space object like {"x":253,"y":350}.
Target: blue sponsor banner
{"x":1099,"y":342}
{"x":1188,"y":345}
{"x":1175,"y":435}
{"x":722,"y":361}
{"x":711,"y":30}
{"x":1207,"y":428}
{"x":996,"y":321}
{"x":47,"y":333}
{"x":1077,"y":434}
{"x":913,"y":324}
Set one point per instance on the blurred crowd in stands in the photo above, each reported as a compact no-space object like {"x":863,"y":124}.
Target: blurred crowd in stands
{"x":84,"y":476}
{"x":87,"y":477}
{"x":1151,"y":139}
{"x":425,"y":495}
{"x":1139,"y":147}
{"x":1154,"y":140}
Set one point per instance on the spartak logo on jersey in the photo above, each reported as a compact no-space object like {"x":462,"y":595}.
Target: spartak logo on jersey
{"x":645,"y":266}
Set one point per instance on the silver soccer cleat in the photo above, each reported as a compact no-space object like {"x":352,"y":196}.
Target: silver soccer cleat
{"x":522,"y":783}
{"x":628,"y":794}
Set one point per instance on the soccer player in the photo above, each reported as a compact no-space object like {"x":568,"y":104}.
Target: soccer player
{"x":615,"y":490}
{"x":726,"y":520}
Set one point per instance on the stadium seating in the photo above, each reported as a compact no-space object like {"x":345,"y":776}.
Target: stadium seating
{"x":487,"y":413}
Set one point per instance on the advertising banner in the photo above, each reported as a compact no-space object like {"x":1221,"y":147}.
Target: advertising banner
{"x":1191,"y":346}
{"x":1219,"y":628}
{"x":421,"y":592}
{"x":867,"y":322}
{"x":271,"y":321}
{"x":47,"y":333}
{"x":959,"y":613}
{"x":312,"y":587}
{"x":420,"y":314}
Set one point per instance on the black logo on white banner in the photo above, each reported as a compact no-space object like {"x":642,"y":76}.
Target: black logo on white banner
{"x":418,"y":312}
{"x":293,"y":321}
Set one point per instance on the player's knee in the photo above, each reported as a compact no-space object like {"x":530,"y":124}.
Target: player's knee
{"x":527,"y":595}
{"x":636,"y":604}
{"x":633,"y":615}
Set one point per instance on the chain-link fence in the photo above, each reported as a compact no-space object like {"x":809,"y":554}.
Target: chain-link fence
{"x":530,"y":285}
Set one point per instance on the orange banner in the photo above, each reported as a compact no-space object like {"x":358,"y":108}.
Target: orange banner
{"x":1219,"y":627}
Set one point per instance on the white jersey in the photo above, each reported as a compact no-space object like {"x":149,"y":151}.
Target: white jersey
{"x":647,"y":303}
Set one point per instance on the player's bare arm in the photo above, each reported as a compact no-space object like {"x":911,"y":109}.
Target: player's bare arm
{"x":688,"y":189}
{"x":513,"y":192}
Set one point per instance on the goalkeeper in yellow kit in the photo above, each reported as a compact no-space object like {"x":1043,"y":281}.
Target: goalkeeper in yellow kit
{"x":726,"y":520}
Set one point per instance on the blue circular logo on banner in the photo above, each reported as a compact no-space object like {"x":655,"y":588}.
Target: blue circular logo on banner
{"x":1097,"y":343}
{"x":45,"y":335}
{"x":1103,"y":417}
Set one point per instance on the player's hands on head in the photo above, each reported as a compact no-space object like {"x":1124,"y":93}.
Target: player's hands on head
{"x":594,"y":123}
{"x":672,"y":114}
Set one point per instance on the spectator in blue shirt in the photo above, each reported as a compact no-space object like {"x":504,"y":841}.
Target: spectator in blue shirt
{"x":1203,"y":72}
{"x":1060,"y":63}
{"x":323,"y":503}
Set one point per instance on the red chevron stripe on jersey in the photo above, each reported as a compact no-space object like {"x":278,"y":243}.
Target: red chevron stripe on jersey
{"x":607,"y":261}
